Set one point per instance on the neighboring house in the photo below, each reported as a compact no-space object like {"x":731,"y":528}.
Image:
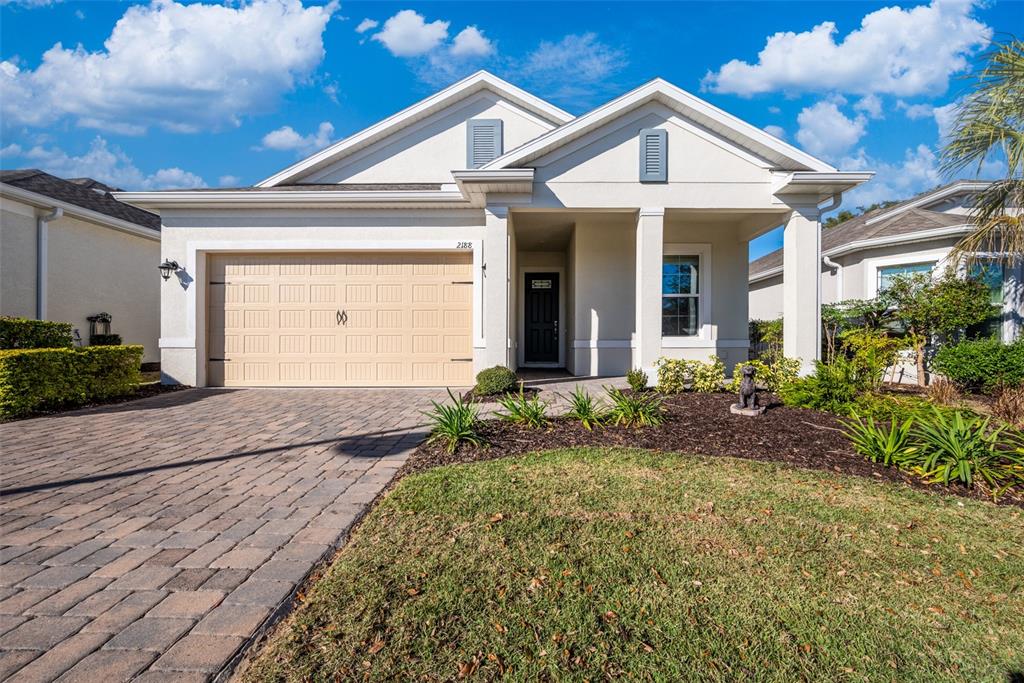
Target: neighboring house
{"x":69,"y":250}
{"x":860,"y":257}
{"x":483,"y":226}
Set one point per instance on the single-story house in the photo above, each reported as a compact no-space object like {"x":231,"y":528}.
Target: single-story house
{"x":484,"y":226}
{"x":70,"y":251}
{"x":860,"y":256}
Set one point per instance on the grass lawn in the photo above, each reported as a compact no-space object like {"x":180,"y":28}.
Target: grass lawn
{"x":605,"y":563}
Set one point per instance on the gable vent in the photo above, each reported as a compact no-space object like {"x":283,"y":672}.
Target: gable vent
{"x":653,"y":155}
{"x":483,"y":141}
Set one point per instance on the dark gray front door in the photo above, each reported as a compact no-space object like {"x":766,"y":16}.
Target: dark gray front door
{"x":541,"y":313}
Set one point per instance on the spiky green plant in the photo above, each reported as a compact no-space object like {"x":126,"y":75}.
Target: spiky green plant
{"x":888,"y":444}
{"x":453,"y":424}
{"x":582,"y":407}
{"x":529,"y":411}
{"x":635,"y":410}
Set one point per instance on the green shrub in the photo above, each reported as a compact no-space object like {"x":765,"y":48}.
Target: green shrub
{"x":583,"y":408}
{"x":635,"y":410}
{"x":963,"y":448}
{"x":23,"y":333}
{"x":105,"y":340}
{"x":531,"y":412}
{"x":453,"y":424}
{"x":985,"y":364}
{"x":872,"y":351}
{"x":769,"y":333}
{"x":493,"y":381}
{"x":708,"y":377}
{"x":833,"y":387}
{"x":637,"y":379}
{"x":772,"y":376}
{"x":673,"y":375}
{"x":41,"y":379}
{"x":890,"y":444}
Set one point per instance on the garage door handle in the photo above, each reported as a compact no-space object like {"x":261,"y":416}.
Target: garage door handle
{"x":342,"y":317}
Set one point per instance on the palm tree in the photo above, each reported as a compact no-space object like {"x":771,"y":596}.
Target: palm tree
{"x":990,"y":122}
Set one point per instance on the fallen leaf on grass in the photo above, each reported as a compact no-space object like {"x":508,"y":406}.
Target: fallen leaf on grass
{"x":376,"y":647}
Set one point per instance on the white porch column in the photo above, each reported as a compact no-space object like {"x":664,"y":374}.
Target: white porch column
{"x":801,"y":287}
{"x":650,"y":247}
{"x":495,"y":287}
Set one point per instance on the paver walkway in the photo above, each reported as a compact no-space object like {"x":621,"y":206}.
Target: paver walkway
{"x":153,"y":538}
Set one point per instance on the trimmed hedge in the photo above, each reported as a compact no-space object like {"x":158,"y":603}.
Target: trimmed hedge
{"x":39,"y":379}
{"x":24,"y":333}
{"x":494,"y":381}
{"x":985,"y":364}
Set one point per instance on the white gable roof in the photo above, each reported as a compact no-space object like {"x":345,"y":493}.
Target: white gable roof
{"x":481,"y":80}
{"x":743,"y":134}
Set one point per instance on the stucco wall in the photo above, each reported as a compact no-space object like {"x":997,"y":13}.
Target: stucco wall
{"x":429,"y":150}
{"x":17,"y":259}
{"x":91,"y":269}
{"x":95,"y":269}
{"x":703,"y":169}
{"x":765,"y":299}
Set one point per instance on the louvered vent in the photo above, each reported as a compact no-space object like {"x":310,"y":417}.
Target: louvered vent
{"x":483,"y":141}
{"x":653,"y":155}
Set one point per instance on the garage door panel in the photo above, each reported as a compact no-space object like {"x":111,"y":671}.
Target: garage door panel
{"x":342,"y":319}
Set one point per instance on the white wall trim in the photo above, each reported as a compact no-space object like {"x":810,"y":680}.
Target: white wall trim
{"x":872,"y":266}
{"x":702,"y":250}
{"x":603,"y":344}
{"x":520,"y":333}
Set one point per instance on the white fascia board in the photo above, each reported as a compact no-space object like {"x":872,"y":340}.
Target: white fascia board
{"x":42,"y":201}
{"x":288,"y":198}
{"x":671,"y":96}
{"x":875,"y":242}
{"x":479,"y":81}
{"x":931,"y":197}
{"x":800,"y":182}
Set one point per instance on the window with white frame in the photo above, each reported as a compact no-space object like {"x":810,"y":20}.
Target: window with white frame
{"x":991,"y":274}
{"x":886,"y":274}
{"x":681,"y":295}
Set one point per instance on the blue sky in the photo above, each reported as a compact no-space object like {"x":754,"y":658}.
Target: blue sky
{"x":165,"y":94}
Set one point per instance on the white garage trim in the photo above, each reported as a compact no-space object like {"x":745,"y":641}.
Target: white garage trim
{"x":195,"y":267}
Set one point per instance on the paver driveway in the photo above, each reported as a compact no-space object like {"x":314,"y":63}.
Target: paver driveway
{"x":155,"y":537}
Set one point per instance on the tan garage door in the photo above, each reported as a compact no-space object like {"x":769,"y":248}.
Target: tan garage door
{"x":340,"y":319}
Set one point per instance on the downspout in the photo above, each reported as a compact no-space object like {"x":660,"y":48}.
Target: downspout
{"x":42,"y":228}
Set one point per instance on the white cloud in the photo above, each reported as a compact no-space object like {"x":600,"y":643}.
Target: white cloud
{"x":945,"y":117}
{"x":176,"y":66}
{"x":827,"y":132}
{"x":870,"y":105}
{"x":777,"y":131}
{"x":229,"y":181}
{"x":286,"y":138}
{"x":895,"y":51}
{"x":774,"y":110}
{"x":406,"y":34}
{"x":916,"y":111}
{"x":108,"y":164}
{"x":470,"y":42}
{"x":575,"y":69}
{"x":366,"y":25}
{"x":916,"y":172}
{"x":29,"y":3}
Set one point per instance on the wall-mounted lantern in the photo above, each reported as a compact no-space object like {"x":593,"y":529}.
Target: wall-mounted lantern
{"x":168,"y":268}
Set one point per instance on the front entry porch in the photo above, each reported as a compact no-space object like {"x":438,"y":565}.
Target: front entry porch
{"x":601,"y":292}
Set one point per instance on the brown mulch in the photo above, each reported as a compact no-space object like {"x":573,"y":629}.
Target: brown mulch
{"x":471,"y":397}
{"x":143,"y":391}
{"x":700,"y":424}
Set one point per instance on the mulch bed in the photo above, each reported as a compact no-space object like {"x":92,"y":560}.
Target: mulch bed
{"x":700,"y":424}
{"x":144,"y":391}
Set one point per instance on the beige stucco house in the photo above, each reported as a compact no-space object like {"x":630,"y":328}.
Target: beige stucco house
{"x":69,"y":250}
{"x":861,"y":255}
{"x":483,"y":226}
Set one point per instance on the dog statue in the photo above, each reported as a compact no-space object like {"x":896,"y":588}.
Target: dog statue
{"x":748,"y":389}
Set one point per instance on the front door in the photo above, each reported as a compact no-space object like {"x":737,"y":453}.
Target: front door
{"x":541,"y":313}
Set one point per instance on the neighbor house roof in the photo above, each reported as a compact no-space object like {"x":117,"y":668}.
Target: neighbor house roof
{"x":902,"y":222}
{"x":82,"y":192}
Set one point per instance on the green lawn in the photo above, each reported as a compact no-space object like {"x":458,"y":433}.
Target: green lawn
{"x":591,"y":564}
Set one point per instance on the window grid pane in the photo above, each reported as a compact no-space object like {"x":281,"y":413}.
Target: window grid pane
{"x":887,"y":274}
{"x":680,"y":302}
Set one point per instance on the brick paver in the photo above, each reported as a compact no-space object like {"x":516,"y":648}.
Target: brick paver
{"x":152,"y":539}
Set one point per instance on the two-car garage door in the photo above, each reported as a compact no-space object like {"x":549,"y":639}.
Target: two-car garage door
{"x":340,"y":319}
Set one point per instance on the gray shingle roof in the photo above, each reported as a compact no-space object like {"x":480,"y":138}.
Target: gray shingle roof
{"x":84,"y":192}
{"x":857,"y":228}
